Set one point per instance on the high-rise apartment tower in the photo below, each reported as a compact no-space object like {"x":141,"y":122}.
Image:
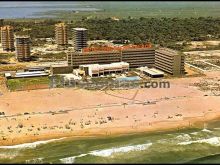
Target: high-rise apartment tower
{"x":79,"y":38}
{"x":7,"y":38}
{"x":61,"y":34}
{"x":23,"y":48}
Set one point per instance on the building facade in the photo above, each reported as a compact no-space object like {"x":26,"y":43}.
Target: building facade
{"x":103,"y":69}
{"x":61,"y":34}
{"x":79,"y":38}
{"x":102,"y":57}
{"x":23,"y":48}
{"x":135,"y":57}
{"x":139,"y":57}
{"x":170,"y":61}
{"x":7,"y":38}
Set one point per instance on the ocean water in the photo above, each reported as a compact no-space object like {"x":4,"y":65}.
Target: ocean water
{"x":199,"y":145}
{"x":37,"y":9}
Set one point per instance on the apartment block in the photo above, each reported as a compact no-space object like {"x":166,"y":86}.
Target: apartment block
{"x":135,"y":57}
{"x":170,"y":61}
{"x":102,"y":57}
{"x":7,"y":38}
{"x":61,"y":34}
{"x":23,"y":48}
{"x":79,"y":38}
{"x":139,"y":57}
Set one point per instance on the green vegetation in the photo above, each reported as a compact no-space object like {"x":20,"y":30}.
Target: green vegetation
{"x":137,"y":9}
{"x":20,"y":83}
{"x":163,"y":31}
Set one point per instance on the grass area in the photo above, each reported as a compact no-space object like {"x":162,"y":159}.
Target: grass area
{"x":20,"y":83}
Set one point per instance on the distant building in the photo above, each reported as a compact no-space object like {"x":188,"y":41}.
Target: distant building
{"x":23,"y":48}
{"x":79,"y":38}
{"x":170,"y":61}
{"x":61,"y":34}
{"x":7,"y":38}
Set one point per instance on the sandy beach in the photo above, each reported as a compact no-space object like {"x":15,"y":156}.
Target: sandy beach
{"x":54,"y":113}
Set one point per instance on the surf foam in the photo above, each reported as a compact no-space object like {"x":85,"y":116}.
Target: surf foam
{"x":30,"y":145}
{"x":35,"y":161}
{"x":215,"y":141}
{"x":70,"y":160}
{"x":109,"y":152}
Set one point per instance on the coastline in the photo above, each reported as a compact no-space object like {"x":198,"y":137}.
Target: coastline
{"x":159,"y":127}
{"x":46,"y":114}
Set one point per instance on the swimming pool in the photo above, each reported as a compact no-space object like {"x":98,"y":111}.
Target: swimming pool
{"x":134,"y":78}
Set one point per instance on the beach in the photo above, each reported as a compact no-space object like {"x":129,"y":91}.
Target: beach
{"x":68,"y":112}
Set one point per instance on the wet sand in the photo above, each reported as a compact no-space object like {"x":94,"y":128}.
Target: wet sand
{"x":54,"y":113}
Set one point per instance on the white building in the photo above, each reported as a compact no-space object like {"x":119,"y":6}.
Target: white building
{"x":97,"y":69}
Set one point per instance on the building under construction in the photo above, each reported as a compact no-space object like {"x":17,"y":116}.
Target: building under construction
{"x":23,"y":48}
{"x":61,"y":35}
{"x":7,"y":38}
{"x":79,"y":38}
{"x":170,"y":61}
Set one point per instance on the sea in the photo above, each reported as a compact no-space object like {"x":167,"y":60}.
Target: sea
{"x":22,"y":9}
{"x":197,"y":145}
{"x":46,"y":9}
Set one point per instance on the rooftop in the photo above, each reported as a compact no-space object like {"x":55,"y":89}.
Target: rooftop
{"x":6,"y":27}
{"x":80,"y":29}
{"x":22,"y":36}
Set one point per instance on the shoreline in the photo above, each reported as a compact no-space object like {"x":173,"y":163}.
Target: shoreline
{"x":66,"y":112}
{"x":195,"y":123}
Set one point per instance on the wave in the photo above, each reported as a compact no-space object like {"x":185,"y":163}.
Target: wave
{"x":194,"y":133}
{"x":215,"y":141}
{"x":206,"y":130}
{"x":70,"y":160}
{"x":30,"y":145}
{"x":8,"y":155}
{"x":35,"y":161}
{"x":184,"y":137}
{"x":107,"y":152}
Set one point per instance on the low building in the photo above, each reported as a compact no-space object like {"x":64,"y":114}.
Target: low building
{"x":31,"y":74}
{"x":97,"y":69}
{"x":170,"y":61}
{"x":151,"y":72}
{"x":60,"y":69}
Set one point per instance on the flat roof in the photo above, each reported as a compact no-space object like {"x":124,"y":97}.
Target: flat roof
{"x":22,"y":36}
{"x":79,"y":28}
{"x":152,"y":71}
